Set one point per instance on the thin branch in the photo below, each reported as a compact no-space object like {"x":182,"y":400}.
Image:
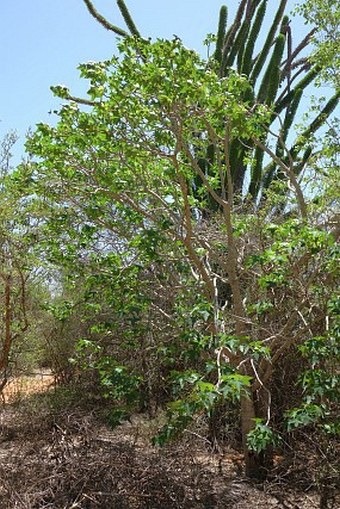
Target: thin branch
{"x":232,"y":264}
{"x":305,"y":41}
{"x":216,"y":141}
{"x":291,"y":175}
{"x":200,"y":173}
{"x":79,"y":100}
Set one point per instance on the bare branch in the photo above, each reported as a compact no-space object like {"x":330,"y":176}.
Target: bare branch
{"x":288,"y":170}
{"x":291,"y":56}
{"x":80,"y":100}
{"x":232,"y":258}
{"x":187,"y":240}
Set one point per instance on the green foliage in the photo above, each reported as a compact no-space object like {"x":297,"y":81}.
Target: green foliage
{"x":307,"y":414}
{"x":17,"y":263}
{"x":232,"y":385}
{"x":61,"y":310}
{"x":272,"y":79}
{"x":118,"y":382}
{"x":203,"y":397}
{"x":261,"y":437}
{"x":321,"y":382}
{"x":325,"y":16}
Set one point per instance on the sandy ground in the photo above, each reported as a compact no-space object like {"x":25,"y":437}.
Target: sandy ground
{"x":23,"y":386}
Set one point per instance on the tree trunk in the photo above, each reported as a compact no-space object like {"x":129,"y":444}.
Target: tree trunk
{"x":261,"y":404}
{"x":256,"y":464}
{"x":7,"y":342}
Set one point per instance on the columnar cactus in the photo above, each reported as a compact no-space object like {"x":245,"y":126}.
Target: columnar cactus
{"x":273,"y":75}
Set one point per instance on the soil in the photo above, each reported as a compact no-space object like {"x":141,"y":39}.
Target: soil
{"x":23,"y":386}
{"x":67,"y":458}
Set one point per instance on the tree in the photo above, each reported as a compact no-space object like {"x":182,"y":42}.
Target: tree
{"x":117,"y":183}
{"x":14,"y":256}
{"x":278,"y":76}
{"x":325,"y":16}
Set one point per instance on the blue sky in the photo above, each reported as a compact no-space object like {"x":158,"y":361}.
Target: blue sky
{"x":43,"y":41}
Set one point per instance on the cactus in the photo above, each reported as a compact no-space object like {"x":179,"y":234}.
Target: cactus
{"x":242,"y":43}
{"x":230,"y":35}
{"x":290,"y":114}
{"x":261,"y":58}
{"x":249,"y":50}
{"x":267,"y":74}
{"x":127,"y":18}
{"x":272,"y":77}
{"x":284,"y":103}
{"x":221,"y":33}
{"x":256,"y":172}
{"x":238,"y":44}
{"x":109,"y":26}
{"x":103,"y":21}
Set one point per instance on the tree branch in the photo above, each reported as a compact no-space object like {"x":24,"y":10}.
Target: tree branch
{"x":291,"y":175}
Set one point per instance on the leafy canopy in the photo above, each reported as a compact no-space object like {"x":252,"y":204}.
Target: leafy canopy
{"x":150,"y":114}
